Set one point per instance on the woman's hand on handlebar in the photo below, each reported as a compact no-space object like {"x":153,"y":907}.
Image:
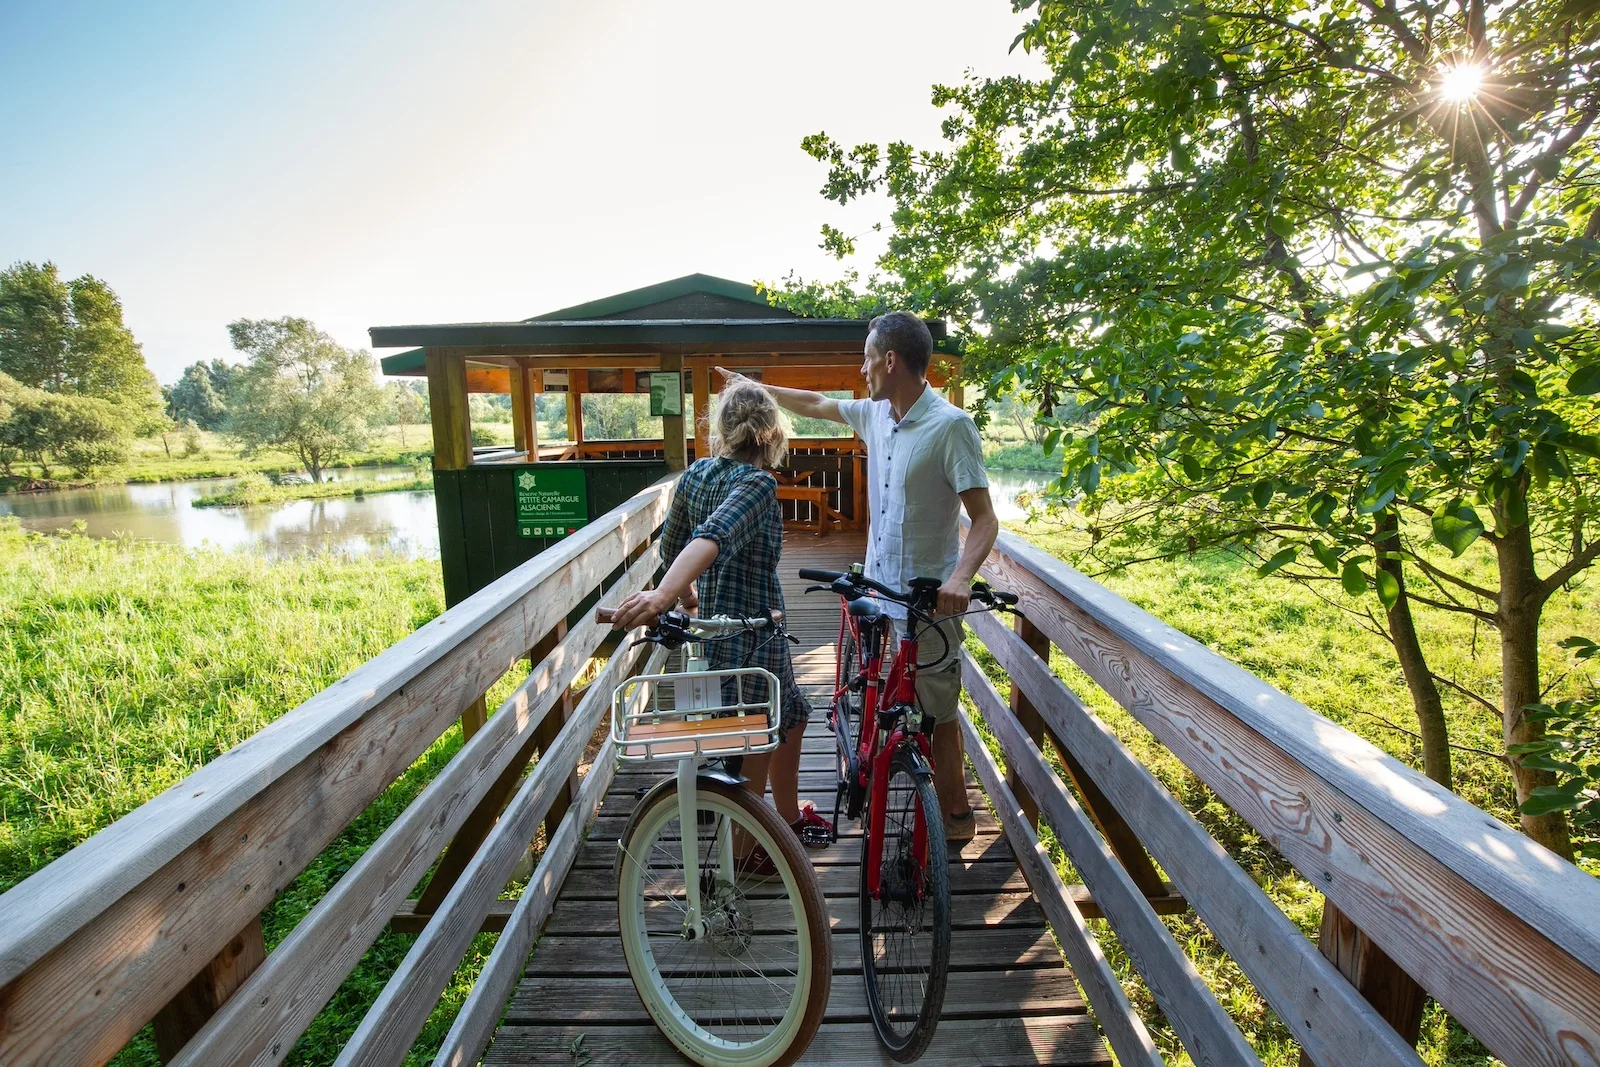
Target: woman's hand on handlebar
{"x":642,"y":609}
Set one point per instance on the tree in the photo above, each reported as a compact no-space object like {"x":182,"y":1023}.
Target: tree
{"x":69,"y":338}
{"x":1324,"y":278}
{"x":195,"y":399}
{"x":406,"y":405}
{"x":302,"y":392}
{"x":84,"y":433}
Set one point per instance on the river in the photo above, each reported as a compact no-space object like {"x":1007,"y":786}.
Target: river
{"x":398,"y":523}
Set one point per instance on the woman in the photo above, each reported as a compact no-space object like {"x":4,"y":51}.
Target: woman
{"x":725,"y":531}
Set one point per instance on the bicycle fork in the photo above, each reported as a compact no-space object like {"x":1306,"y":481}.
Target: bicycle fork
{"x":694,"y":923}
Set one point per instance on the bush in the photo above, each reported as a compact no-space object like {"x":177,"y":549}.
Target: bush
{"x":483,"y":436}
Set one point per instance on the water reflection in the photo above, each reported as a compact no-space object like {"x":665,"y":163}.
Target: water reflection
{"x":402,"y":523}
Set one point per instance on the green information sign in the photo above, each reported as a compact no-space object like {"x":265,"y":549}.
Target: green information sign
{"x":552,"y":502}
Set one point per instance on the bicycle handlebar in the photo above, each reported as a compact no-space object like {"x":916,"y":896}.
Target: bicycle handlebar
{"x":981,"y":591}
{"x":713,"y":624}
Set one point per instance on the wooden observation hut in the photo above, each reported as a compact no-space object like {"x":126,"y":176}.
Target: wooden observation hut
{"x":499,"y":507}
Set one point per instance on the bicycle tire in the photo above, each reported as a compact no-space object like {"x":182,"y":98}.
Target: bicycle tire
{"x":690,"y":1010}
{"x":898,"y":980}
{"x":846,"y":727}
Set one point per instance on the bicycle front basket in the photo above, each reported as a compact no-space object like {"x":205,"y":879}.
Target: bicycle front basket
{"x":695,"y":714}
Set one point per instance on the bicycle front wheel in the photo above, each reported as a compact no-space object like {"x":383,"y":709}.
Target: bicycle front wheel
{"x":905,"y":931}
{"x":749,"y":991}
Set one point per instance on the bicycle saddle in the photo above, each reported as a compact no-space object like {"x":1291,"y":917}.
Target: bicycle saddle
{"x":865,"y":608}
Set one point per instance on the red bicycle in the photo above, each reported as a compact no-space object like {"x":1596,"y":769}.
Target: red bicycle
{"x":886,"y":769}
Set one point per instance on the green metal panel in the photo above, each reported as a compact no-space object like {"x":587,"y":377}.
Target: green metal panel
{"x":478,"y":536}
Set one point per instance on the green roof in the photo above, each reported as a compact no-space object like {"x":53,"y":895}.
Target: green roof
{"x":695,"y":313}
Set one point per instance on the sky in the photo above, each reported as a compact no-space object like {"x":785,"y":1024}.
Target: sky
{"x":371,"y":164}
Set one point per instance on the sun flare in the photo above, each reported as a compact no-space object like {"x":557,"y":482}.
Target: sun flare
{"x":1461,"y":82}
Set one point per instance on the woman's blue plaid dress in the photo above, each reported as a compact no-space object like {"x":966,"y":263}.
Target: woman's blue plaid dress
{"x":736,"y":505}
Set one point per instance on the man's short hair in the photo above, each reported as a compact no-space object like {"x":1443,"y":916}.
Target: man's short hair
{"x":906,"y":336}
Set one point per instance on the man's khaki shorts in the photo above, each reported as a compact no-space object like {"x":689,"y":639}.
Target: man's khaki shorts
{"x":938,"y":688}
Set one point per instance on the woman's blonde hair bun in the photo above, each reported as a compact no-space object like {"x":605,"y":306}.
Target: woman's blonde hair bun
{"x":749,"y":426}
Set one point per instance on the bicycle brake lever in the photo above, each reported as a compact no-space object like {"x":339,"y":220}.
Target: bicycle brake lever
{"x":793,"y":640}
{"x":818,"y":588}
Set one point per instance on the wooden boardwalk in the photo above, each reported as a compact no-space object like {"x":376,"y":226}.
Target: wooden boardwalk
{"x":1011,"y":998}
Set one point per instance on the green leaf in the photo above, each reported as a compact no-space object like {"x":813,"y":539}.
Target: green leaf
{"x":1457,"y":527}
{"x":1548,"y":798}
{"x":1282,"y":559}
{"x":1280,"y":226}
{"x":1354,"y":582}
{"x":1320,"y":508}
{"x":1090,"y":478}
{"x":1326,"y":555}
{"x":1585,"y":381}
{"x":1261,"y":493}
{"x":1191,"y":467}
{"x":1388,"y":589}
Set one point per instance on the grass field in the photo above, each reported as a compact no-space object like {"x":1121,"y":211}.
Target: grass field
{"x":123,"y":667}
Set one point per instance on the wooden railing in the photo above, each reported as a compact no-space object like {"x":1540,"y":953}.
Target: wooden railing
{"x":157,"y":917}
{"x":1419,"y":885}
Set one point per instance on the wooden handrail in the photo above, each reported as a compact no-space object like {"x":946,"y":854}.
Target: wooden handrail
{"x":94,"y":944}
{"x":1505,"y":935}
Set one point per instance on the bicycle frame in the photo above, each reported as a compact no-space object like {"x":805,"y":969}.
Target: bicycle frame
{"x":881,"y":736}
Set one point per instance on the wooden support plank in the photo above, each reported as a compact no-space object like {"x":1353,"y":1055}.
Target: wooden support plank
{"x":92,"y":946}
{"x":577,"y":385}
{"x":550,"y":729}
{"x":488,"y":380}
{"x":1123,"y":1028}
{"x":209,"y":990}
{"x":447,"y":405}
{"x":475,"y":1022}
{"x":1495,"y":927}
{"x":672,"y":434}
{"x":1322,"y":1010}
{"x":304,"y":972}
{"x":1189,"y":1005}
{"x":1393,"y":992}
{"x":400,"y":1011}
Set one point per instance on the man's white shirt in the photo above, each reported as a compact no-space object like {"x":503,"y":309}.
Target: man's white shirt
{"x":916,"y":470}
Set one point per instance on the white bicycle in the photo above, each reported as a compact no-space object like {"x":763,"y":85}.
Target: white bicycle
{"x":728,"y":940}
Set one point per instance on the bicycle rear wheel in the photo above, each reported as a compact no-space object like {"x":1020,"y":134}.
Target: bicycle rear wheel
{"x":752,"y":991}
{"x":905,"y":933}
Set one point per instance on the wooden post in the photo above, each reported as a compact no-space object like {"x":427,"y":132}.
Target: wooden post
{"x":524,"y":428}
{"x":447,"y":399}
{"x":207,"y":991}
{"x":546,"y":734}
{"x":577,"y":384}
{"x":702,"y":408}
{"x":452,"y":451}
{"x":1376,"y":977}
{"x":673,"y":444}
{"x":956,"y":393}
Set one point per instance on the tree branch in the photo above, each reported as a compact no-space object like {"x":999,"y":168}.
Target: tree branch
{"x":1567,"y":571}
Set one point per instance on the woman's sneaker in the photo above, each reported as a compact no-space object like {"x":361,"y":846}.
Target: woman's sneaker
{"x":812,"y":829}
{"x":756,"y":868}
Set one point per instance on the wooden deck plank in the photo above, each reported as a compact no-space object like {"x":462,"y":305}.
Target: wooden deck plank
{"x":1067,"y":1041}
{"x":1011,"y":998}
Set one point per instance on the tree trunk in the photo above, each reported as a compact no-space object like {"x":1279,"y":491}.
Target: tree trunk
{"x":1425,"y":700}
{"x":1521,"y":602}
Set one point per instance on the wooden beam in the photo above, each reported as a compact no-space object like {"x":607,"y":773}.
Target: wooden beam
{"x":208,"y":991}
{"x":1189,"y":1005}
{"x":305,"y":971}
{"x":673,"y":441}
{"x":577,"y":384}
{"x":188,"y":870}
{"x":1496,"y":928}
{"x":485,"y":380}
{"x":1393,"y":992}
{"x":1323,"y":1011}
{"x":1028,"y":717}
{"x":402,"y":1008}
{"x":447,"y":403}
{"x":1124,"y":1030}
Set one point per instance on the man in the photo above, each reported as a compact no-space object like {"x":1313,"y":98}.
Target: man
{"x":924,"y":463}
